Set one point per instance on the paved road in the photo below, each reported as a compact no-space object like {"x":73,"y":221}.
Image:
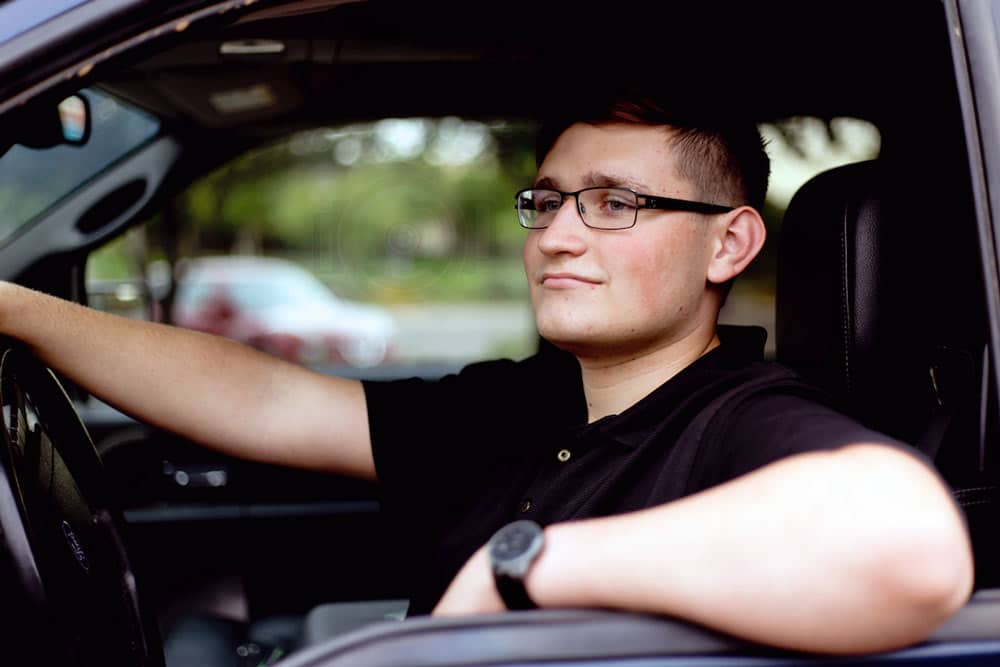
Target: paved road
{"x":463,"y":332}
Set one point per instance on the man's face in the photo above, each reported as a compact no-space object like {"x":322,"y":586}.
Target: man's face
{"x":622,"y":291}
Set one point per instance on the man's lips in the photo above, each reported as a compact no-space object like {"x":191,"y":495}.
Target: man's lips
{"x":564,"y":280}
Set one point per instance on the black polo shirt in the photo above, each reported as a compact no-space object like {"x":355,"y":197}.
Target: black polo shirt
{"x":503,"y":440}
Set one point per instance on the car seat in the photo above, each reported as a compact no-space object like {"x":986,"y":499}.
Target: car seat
{"x":880,"y":301}
{"x":203,"y":640}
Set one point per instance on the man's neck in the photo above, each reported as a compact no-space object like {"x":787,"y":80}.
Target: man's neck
{"x":612,"y":385}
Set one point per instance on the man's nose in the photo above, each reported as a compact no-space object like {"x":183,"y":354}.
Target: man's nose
{"x":565,"y":232}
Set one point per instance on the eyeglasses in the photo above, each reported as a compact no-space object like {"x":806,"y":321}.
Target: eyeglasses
{"x":600,"y":208}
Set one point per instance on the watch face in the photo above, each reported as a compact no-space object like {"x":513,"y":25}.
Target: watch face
{"x":514,"y":540}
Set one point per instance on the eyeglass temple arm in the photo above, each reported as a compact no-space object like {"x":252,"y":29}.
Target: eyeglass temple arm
{"x":669,"y":203}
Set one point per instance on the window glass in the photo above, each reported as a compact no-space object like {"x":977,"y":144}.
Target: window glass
{"x":33,"y":180}
{"x":392,"y":247}
{"x":799,"y":149}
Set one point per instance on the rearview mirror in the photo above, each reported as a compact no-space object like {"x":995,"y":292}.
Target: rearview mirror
{"x":47,"y":125}
{"x":74,"y":119}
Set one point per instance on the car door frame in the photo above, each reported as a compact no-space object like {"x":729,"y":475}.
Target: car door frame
{"x":975,"y":47}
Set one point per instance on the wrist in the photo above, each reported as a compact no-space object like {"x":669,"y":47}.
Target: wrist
{"x":513,"y":551}
{"x":9,"y":293}
{"x":564,"y":575}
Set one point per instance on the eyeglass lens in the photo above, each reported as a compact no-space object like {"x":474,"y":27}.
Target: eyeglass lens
{"x":604,"y":208}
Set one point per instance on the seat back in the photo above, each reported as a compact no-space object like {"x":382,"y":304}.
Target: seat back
{"x":830,"y":321}
{"x":875,"y":302}
{"x":879,"y":301}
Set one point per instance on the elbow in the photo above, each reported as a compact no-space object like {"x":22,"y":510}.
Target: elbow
{"x":940,"y":573}
{"x":926,"y":573}
{"x":919,"y":563}
{"x":907,"y":589}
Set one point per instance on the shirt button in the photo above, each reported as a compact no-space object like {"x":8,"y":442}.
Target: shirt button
{"x":563,"y":455}
{"x":525,"y":504}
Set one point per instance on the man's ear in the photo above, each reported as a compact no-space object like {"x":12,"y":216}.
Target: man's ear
{"x":738,"y":238}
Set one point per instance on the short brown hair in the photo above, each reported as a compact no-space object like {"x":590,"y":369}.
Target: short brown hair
{"x":724,"y":158}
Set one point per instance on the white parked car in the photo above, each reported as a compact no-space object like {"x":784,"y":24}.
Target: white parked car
{"x":280,"y":308}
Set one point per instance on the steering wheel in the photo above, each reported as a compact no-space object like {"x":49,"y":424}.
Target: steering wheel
{"x":63,"y":565}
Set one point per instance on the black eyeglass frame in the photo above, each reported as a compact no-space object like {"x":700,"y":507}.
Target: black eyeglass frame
{"x":643,"y":201}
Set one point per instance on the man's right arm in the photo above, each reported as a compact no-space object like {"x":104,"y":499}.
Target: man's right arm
{"x":214,"y":391}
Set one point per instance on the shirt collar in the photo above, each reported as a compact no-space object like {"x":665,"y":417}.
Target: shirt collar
{"x":740,"y":346}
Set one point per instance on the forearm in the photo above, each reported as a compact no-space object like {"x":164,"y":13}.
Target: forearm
{"x":209,"y":389}
{"x":851,"y":551}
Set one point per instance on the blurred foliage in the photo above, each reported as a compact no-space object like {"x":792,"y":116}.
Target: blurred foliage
{"x":379,"y":211}
{"x":402,"y":210}
{"x":375,"y":196}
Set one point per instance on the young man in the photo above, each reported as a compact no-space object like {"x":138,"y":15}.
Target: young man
{"x":672,"y":470}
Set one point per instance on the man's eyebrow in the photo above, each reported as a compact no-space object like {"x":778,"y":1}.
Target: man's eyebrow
{"x":597,"y":179}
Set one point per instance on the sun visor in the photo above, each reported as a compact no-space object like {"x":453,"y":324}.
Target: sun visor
{"x":240,"y":96}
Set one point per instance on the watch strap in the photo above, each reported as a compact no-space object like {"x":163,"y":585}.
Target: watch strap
{"x":513,"y":593}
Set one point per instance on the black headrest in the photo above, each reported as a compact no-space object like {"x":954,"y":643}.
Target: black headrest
{"x":828,"y":319}
{"x":835,"y":321}
{"x":876,"y":285}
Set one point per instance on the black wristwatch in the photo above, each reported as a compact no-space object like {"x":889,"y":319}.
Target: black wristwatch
{"x":512,"y":550}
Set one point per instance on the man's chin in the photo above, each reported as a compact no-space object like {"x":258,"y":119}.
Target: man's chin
{"x":576,"y":343}
{"x":598,"y":344}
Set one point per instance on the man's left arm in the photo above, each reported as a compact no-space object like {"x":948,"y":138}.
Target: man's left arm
{"x":853,"y":550}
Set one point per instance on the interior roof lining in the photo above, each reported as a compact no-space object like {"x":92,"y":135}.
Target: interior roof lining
{"x":373,"y":62}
